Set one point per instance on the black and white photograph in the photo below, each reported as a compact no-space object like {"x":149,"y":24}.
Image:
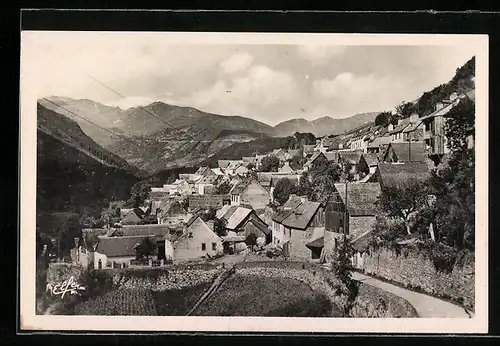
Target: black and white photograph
{"x":274,"y":182}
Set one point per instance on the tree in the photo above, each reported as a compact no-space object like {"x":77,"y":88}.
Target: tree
{"x":146,"y":248}
{"x":139,"y":193}
{"x":304,"y":188}
{"x":403,"y":201}
{"x":209,"y":215}
{"x":111,"y":214}
{"x":224,"y":188}
{"x":220,"y":227}
{"x":458,"y":121}
{"x":270,"y":164}
{"x":383,"y":118}
{"x":406,"y":109}
{"x":342,"y":268}
{"x":67,"y":233}
{"x":250,"y":166}
{"x":284,"y":188}
{"x":251,"y":241}
{"x":323,"y":176}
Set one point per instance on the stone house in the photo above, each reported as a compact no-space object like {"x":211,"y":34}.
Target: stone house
{"x":361,"y":208}
{"x":378,"y":145}
{"x":302,"y":227}
{"x":116,"y":252}
{"x":169,"y":209}
{"x":249,"y":192}
{"x":198,"y":241}
{"x":245,"y":221}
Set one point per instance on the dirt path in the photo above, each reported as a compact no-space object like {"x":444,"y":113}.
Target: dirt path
{"x":425,"y":305}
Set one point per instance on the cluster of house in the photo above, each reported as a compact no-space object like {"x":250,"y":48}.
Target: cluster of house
{"x":308,"y":230}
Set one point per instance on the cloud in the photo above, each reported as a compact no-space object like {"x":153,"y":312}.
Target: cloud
{"x":320,"y":55}
{"x":364,"y":93}
{"x":236,"y":62}
{"x":261,"y":85}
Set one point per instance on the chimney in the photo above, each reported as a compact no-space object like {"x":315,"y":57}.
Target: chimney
{"x":413,"y":117}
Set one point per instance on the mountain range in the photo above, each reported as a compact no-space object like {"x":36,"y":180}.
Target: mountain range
{"x":323,"y":126}
{"x":161,"y":136}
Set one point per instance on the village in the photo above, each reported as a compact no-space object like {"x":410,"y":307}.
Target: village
{"x":244,"y":206}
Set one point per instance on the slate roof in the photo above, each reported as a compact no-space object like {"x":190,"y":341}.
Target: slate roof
{"x":239,"y":215}
{"x":397,"y":173}
{"x":207,"y":201}
{"x":352,"y":156}
{"x":226,"y":212}
{"x":286,"y":168}
{"x":302,"y":215}
{"x":293,"y":202}
{"x":223,"y":163}
{"x":380,"y":141}
{"x":163,"y":231}
{"x":371,"y":159}
{"x":317,"y":243}
{"x":403,"y":150}
{"x":361,"y":197}
{"x":332,"y":156}
{"x":118,"y":246}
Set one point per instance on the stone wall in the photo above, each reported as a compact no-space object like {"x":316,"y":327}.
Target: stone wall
{"x":298,"y":241}
{"x":415,"y":270}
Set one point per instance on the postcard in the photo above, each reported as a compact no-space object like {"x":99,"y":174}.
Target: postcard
{"x":253,"y":182}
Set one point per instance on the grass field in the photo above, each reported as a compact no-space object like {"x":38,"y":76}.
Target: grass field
{"x":245,"y":295}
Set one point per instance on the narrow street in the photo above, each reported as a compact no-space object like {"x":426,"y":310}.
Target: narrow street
{"x":426,"y":306}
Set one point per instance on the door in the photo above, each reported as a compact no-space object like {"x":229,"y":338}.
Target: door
{"x":161,"y":250}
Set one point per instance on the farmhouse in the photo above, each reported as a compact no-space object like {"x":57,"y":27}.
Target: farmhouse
{"x":244,"y":221}
{"x":198,"y":241}
{"x":169,"y":209}
{"x":301,"y":225}
{"x":378,"y":145}
{"x":250,"y":192}
{"x":361,"y":208}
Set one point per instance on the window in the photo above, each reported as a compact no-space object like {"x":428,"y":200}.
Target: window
{"x":214,"y":246}
{"x":203,"y":247}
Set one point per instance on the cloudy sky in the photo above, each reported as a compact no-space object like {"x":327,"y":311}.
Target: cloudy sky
{"x":270,"y":83}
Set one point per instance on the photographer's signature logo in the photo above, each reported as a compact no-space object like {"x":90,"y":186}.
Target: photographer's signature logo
{"x":68,"y":286}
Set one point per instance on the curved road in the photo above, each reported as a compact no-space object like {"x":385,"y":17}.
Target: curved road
{"x":425,"y":305}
